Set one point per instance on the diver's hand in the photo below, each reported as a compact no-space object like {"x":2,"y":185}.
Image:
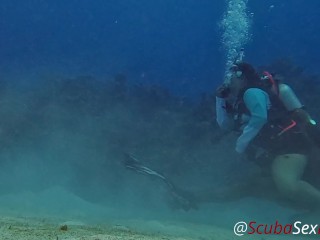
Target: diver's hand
{"x":223,"y":91}
{"x":255,"y":153}
{"x":260,"y":152}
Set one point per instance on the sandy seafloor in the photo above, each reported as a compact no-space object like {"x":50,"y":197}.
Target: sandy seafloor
{"x":31,"y":216}
{"x":49,"y":229}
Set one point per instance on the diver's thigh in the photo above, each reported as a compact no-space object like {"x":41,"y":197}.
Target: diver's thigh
{"x":288,"y":167}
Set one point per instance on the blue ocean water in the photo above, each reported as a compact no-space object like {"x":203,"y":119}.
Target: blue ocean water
{"x":77,"y":91}
{"x":174,"y":43}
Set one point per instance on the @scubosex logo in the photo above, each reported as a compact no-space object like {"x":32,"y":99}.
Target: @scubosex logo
{"x":247,"y":228}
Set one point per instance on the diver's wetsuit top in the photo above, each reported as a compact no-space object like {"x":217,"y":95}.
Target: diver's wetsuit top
{"x":257,"y":102}
{"x":262,"y":129}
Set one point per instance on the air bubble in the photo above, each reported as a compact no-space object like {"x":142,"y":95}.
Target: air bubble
{"x":236,"y":26}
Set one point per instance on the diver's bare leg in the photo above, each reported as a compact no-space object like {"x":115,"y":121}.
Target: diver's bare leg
{"x":287,"y":171}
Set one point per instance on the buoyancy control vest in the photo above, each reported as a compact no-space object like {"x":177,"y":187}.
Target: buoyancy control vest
{"x":283,"y":101}
{"x":280,"y":123}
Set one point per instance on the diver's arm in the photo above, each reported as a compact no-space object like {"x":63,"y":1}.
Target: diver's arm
{"x":257,"y":102}
{"x":224,"y":119}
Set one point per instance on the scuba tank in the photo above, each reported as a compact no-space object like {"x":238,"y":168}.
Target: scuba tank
{"x":282,"y":91}
{"x":293,"y":105}
{"x":288,"y":97}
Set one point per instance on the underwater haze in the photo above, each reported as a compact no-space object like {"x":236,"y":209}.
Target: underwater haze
{"x":86,"y":84}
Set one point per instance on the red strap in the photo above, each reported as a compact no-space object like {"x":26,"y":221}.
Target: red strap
{"x":293,"y":123}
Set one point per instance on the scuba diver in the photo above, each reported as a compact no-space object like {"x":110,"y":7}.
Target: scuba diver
{"x":274,"y":130}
